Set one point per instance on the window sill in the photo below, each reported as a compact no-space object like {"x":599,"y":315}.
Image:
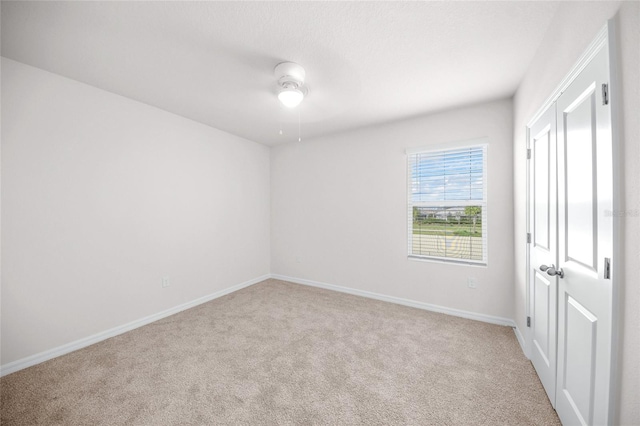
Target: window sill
{"x":447,"y":261}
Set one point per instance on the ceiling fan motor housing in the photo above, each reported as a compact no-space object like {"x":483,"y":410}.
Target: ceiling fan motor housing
{"x":289,"y":74}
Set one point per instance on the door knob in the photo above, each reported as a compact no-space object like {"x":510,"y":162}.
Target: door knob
{"x":552,"y":271}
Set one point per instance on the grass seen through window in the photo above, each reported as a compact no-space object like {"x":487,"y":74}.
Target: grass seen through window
{"x":454,"y":232}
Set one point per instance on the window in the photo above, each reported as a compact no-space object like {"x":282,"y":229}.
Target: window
{"x":447,"y":203}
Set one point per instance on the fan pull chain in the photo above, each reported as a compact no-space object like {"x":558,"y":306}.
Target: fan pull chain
{"x":299,"y":137}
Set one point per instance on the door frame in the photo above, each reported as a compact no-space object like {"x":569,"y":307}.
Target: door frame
{"x":607,"y":36}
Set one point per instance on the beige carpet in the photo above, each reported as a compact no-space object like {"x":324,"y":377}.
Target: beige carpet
{"x":281,"y":353}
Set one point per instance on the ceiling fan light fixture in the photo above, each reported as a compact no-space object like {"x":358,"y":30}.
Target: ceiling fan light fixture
{"x":290,"y":78}
{"x":290,"y":97}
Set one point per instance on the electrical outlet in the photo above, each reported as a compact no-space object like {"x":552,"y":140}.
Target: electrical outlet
{"x":472,"y":282}
{"x":165,"y":281}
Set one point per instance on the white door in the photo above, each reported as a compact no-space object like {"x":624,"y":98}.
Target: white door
{"x":585,"y":234}
{"x":544,"y":248}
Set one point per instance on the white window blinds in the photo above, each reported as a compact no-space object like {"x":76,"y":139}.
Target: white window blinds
{"x":447,"y":204}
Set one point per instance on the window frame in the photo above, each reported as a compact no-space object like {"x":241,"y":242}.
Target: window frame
{"x":450,"y":146}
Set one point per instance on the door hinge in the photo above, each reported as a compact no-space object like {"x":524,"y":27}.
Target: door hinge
{"x":528,"y":153}
{"x":528,"y":321}
{"x":605,"y":94}
{"x":607,"y":268}
{"x":528,"y":237}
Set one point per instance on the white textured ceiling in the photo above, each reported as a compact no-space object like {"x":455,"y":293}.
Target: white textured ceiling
{"x":366,"y":62}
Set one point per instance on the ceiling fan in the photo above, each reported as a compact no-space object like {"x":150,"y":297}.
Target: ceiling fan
{"x":290,"y":78}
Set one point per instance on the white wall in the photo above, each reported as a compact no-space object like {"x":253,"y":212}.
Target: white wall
{"x":339,"y":211}
{"x":102,"y":196}
{"x":573,"y":28}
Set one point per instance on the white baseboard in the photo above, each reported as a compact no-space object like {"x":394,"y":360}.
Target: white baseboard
{"x":400,"y":301}
{"x":29,"y":361}
{"x":521,"y":340}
